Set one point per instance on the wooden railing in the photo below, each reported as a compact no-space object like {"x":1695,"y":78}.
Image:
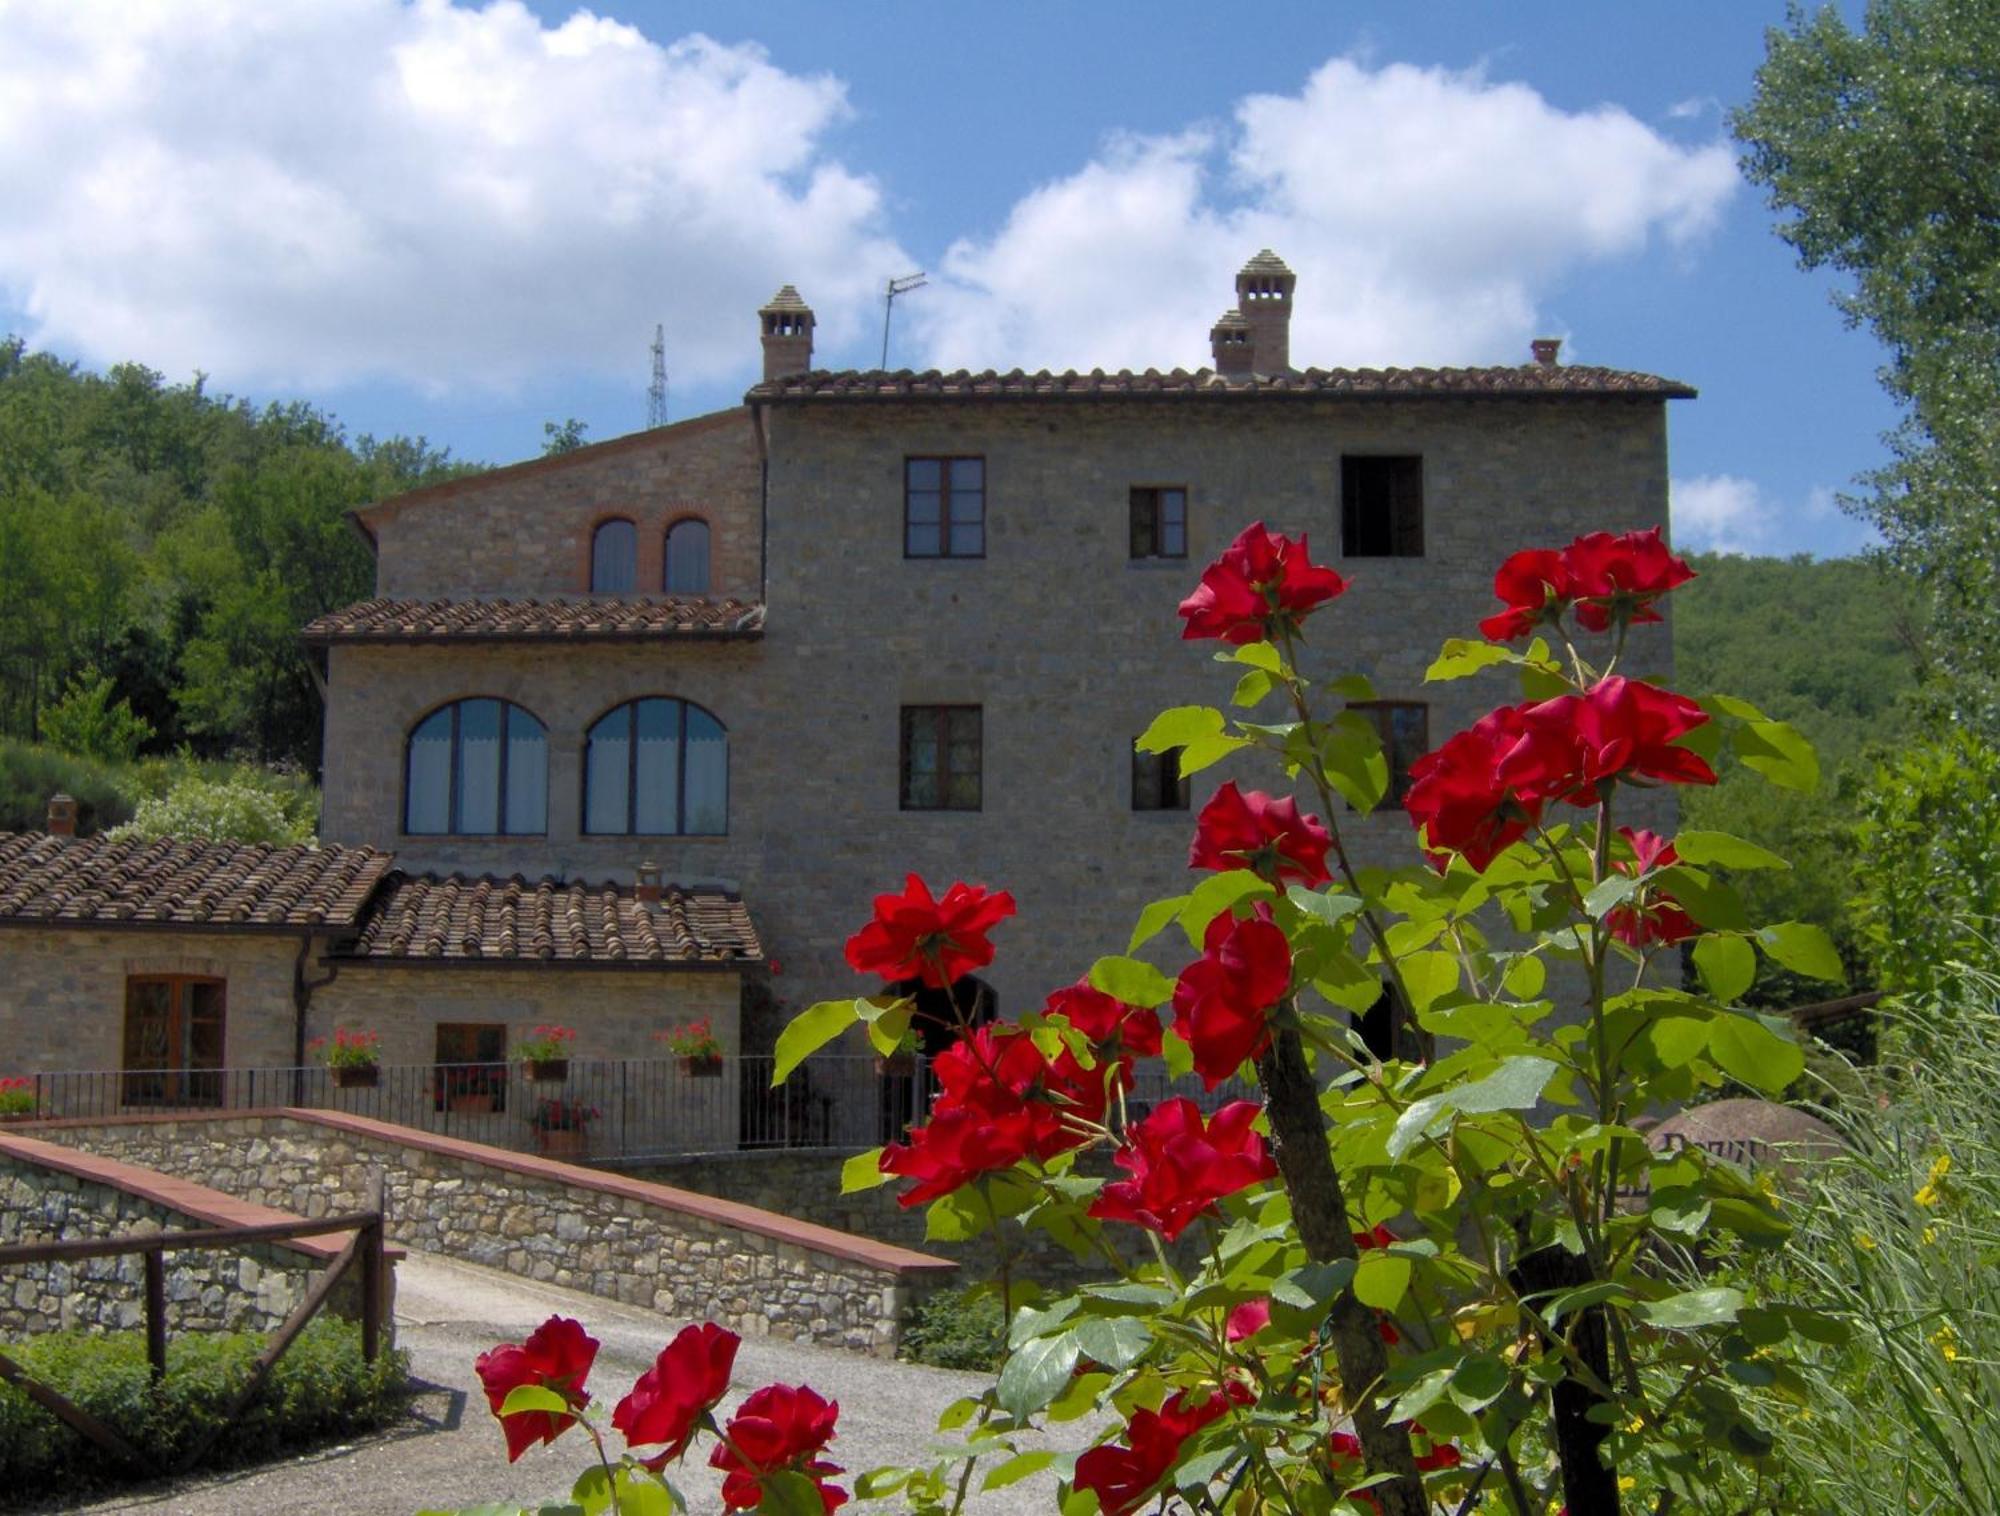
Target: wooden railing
{"x":364,"y":1249}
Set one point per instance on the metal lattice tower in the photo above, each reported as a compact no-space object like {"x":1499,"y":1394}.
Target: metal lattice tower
{"x":656,"y":396}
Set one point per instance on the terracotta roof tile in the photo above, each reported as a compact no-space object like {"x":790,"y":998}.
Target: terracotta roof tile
{"x":457,"y":919}
{"x":1527,"y":381}
{"x":95,"y":881}
{"x":537,"y":620}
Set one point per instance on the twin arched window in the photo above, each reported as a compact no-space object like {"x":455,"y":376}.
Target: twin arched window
{"x":614,"y":558}
{"x":477,"y":767}
{"x":656,"y":767}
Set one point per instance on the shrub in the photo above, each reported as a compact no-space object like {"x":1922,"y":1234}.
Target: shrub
{"x":235,"y":809}
{"x":30,"y":774}
{"x":321,"y":1389}
{"x":957,"y":1329}
{"x":85,"y":721}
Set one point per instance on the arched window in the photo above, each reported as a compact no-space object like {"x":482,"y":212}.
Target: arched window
{"x":656,"y":767}
{"x":614,"y":558}
{"x":477,"y":767}
{"x":687,"y":557}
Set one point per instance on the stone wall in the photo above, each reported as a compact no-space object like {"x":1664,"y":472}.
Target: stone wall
{"x":47,"y":1197}
{"x":685,"y":1255}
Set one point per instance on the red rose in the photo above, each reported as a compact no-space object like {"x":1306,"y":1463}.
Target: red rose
{"x":689,"y":1377}
{"x":914,"y":936}
{"x":1620,"y":729}
{"x":1658,"y":917}
{"x":1222,"y":1001}
{"x":954,"y":1148}
{"x":1123,"y":1477}
{"x":1180,"y":1166}
{"x":557,"y":1356}
{"x":1247,"y":1320}
{"x":1262,"y":584}
{"x":1617,"y":579}
{"x":1374,"y":1237}
{"x":1253,"y":831}
{"x":779,"y":1427}
{"x":1112,"y":1024}
{"x":1536,"y":585}
{"x":1457,"y":796}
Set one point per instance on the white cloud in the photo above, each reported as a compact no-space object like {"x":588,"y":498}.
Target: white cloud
{"x":321,"y":193}
{"x":1720,"y":513}
{"x":1426,"y":212}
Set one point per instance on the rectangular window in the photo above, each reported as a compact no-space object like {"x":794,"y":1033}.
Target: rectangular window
{"x":1157,"y":781}
{"x":941,"y":757}
{"x":1159,"y":522}
{"x":173,"y":1040}
{"x":944,"y":507}
{"x":1405,"y":729}
{"x":471,"y":1073}
{"x":1381,"y":507}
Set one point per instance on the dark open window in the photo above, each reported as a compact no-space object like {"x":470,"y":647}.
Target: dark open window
{"x":471,"y":1073}
{"x":1159,"y":522}
{"x":944,"y":507}
{"x":1382,"y":507}
{"x":941,"y":758}
{"x":687,"y":558}
{"x":1405,"y":729}
{"x":1157,"y":781}
{"x":657,"y":768}
{"x":477,"y":767}
{"x":614,"y":558}
{"x":173,"y":1040}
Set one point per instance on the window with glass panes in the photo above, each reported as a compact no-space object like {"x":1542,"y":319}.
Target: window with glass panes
{"x":477,"y":767}
{"x":1157,"y":781}
{"x":470,"y":1069}
{"x":614,"y":558}
{"x":1404,"y":727}
{"x":686,"y":570}
{"x":1381,"y":507}
{"x":1159,"y":522}
{"x":173,"y":1040}
{"x":941,"y":758}
{"x":944,"y":507}
{"x":657,"y":768}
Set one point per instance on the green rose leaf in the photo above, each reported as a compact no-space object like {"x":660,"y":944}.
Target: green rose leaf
{"x":1251,"y":688}
{"x":1130,"y":980}
{"x":1609,"y":895}
{"x":1460,"y":657}
{"x":1676,"y":1039}
{"x":1017,"y":1468}
{"x":1350,"y":754}
{"x":1258,"y":655}
{"x":1694,"y":1308}
{"x":1114,"y":1341}
{"x":1725,"y":850}
{"x":1515,"y":1086}
{"x":1727,"y":965}
{"x":1381,"y":1279}
{"x":1804,"y":949}
{"x":1328,"y":906}
{"x":788,"y":1493}
{"x":1748,"y":1050}
{"x":1479,"y":1381}
{"x":1779,"y":753}
{"x":1429,"y":977}
{"x":534,"y":1397}
{"x":1213,"y":896}
{"x":809,"y":1031}
{"x":863,"y":1172}
{"x":1155,"y":919}
{"x":1525,"y":977}
{"x":1199,"y":731}
{"x":639,"y":1495}
{"x":1034,"y":1374}
{"x":592,"y":1490}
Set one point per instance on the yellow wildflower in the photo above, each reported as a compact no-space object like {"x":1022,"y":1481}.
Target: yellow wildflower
{"x":1627,"y":1484}
{"x":1933,"y":1190}
{"x":1865,"y":1242}
{"x":1930,"y":1235}
{"x":1945,"y":1340}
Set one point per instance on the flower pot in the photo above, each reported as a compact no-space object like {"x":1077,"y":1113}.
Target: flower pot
{"x":356,"y":1076}
{"x":571,"y":1143}
{"x":702,"y":1065}
{"x":547,"y":1070}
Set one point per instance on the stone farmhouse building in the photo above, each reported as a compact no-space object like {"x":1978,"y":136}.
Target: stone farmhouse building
{"x":766,"y":661}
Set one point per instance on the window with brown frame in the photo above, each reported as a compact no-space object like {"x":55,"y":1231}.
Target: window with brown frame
{"x":1159,"y":521}
{"x":944,"y":507}
{"x":471,"y":1073}
{"x":614,"y":557}
{"x":1381,"y":507}
{"x":1404,"y":727}
{"x":1157,"y":781}
{"x":941,"y":757}
{"x":173,"y":1040}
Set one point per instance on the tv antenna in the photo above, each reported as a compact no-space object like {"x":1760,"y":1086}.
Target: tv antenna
{"x":896,"y":287}
{"x":656,"y":395}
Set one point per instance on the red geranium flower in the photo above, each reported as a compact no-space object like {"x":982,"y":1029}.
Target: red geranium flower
{"x":1456,"y":793}
{"x":1658,"y":917}
{"x":1254,"y":831}
{"x":1223,"y":1000}
{"x":557,"y":1356}
{"x":1123,"y":1476}
{"x":689,"y":1377}
{"x":1180,"y":1166}
{"x":1110,"y":1023}
{"x":1617,"y":579}
{"x":916,"y":937}
{"x":1537,"y":586}
{"x":1262,"y":583}
{"x":1620,"y":729}
{"x":780,"y":1427}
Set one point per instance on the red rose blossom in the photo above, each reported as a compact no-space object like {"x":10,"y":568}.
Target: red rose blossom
{"x":954,"y":1148}
{"x":1658,"y":918}
{"x":1124,"y":1476}
{"x":1180,"y":1166}
{"x":1456,"y":793}
{"x":1262,"y":584}
{"x":1223,"y":1000}
{"x":557,"y":1356}
{"x":916,"y":937}
{"x":1110,"y":1023}
{"x":1254,"y":831}
{"x":1617,"y":579}
{"x":1619,"y":729}
{"x":689,"y":1377}
{"x":780,"y":1427}
{"x":1536,"y":585}
{"x":1247,"y":1320}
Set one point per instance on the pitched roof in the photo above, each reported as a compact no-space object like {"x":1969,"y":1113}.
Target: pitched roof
{"x":182,"y":882}
{"x":1521,"y":381}
{"x":515,"y":922}
{"x":671,"y":616}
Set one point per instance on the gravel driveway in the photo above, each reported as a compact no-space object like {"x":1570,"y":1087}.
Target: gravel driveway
{"x":450,"y":1452}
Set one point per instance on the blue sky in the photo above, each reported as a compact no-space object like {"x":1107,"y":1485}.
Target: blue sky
{"x":465,"y":221}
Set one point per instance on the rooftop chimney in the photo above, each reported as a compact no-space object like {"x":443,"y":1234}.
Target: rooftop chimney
{"x":1545,"y":350}
{"x":1229,"y":340}
{"x":648,"y":891}
{"x":62,"y":815}
{"x":1264,"y":296}
{"x":788,"y":335}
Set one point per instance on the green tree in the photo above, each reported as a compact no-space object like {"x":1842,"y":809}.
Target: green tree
{"x":565,"y":437}
{"x":1881,"y":149}
{"x":87,"y":722}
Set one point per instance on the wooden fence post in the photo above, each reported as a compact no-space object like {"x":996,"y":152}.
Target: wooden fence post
{"x":156,"y":1311}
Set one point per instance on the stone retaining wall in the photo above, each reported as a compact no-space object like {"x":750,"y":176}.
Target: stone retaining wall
{"x":687,"y":1255}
